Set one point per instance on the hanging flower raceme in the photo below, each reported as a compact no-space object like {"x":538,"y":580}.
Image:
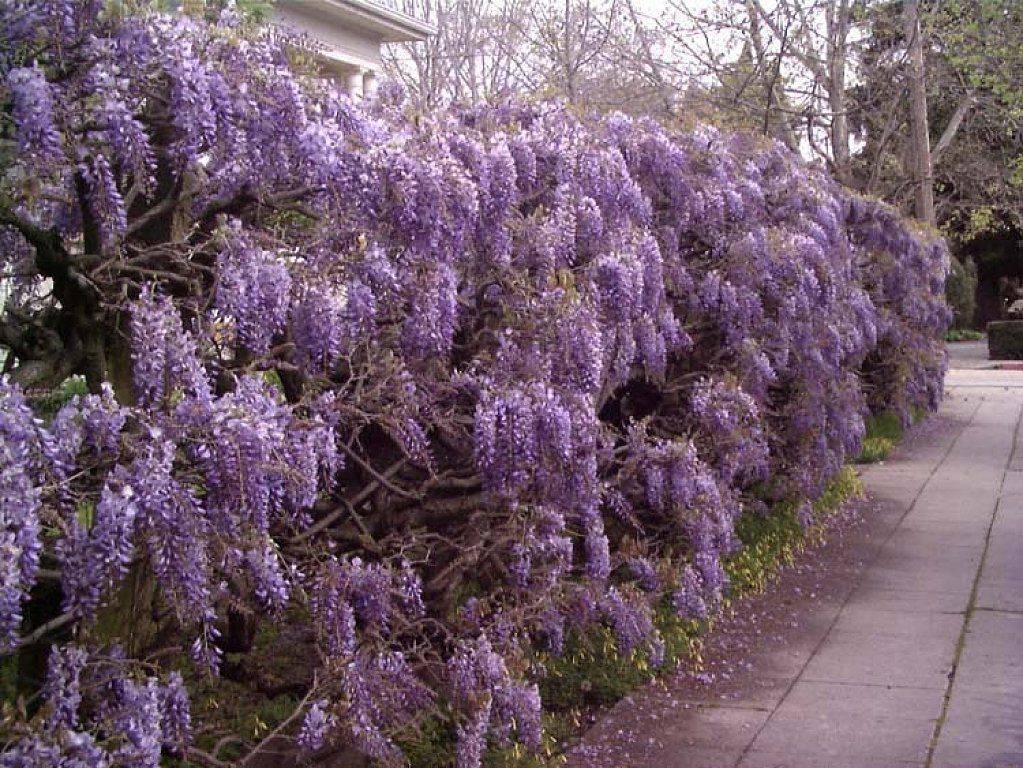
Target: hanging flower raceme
{"x":20,"y":527}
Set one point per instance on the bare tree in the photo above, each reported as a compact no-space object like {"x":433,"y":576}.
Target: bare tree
{"x":476,"y":53}
{"x":570,"y":40}
{"x":837,"y":20}
{"x":580,"y":50}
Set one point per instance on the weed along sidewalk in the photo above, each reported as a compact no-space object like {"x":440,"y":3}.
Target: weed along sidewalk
{"x":896,"y":642}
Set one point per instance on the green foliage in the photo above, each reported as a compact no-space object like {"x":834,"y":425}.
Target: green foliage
{"x":875,"y":449}
{"x":884,"y":430}
{"x":844,"y":487}
{"x":8,"y":680}
{"x":273,"y":378}
{"x":987,"y":62}
{"x":1005,"y":340}
{"x":433,"y":745}
{"x":974,"y":53}
{"x":978,"y":50}
{"x":230,"y":707}
{"x":886,"y":424}
{"x":963,"y":334}
{"x":961,"y":290}
{"x":591,"y":673}
{"x":47,"y":404}
{"x":769,"y":541}
{"x":772,"y":541}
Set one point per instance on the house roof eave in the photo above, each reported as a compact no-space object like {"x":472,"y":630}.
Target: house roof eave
{"x":392,"y":26}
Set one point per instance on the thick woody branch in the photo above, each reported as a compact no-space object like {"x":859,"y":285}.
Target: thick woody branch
{"x":954,"y":123}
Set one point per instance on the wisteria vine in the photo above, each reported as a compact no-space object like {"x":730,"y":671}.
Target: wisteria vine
{"x":447,"y":387}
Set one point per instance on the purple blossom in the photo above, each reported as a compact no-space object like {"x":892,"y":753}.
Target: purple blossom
{"x":62,"y":689}
{"x":317,"y":326}
{"x":629,"y":619}
{"x":383,"y":694}
{"x":174,"y":526}
{"x":316,"y":726}
{"x":254,"y":289}
{"x":430,"y":325}
{"x":164,"y":355}
{"x":472,"y":738}
{"x":95,"y":558}
{"x":104,"y":200}
{"x":176,"y":718}
{"x":645,"y":573}
{"x":20,"y":529}
{"x":139,"y":717}
{"x":480,"y":681}
{"x":552,"y":341}
{"x":33,"y":115}
{"x":688,"y":598}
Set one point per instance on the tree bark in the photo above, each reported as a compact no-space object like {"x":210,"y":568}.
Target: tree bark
{"x":665,"y":93}
{"x":838,"y":33}
{"x":952,"y":128}
{"x":920,"y":142}
{"x":774,"y":94}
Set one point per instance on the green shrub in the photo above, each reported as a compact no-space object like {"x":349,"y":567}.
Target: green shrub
{"x":874,"y":449}
{"x":1005,"y":339}
{"x":961,"y":292}
{"x":884,"y":430}
{"x":47,"y":404}
{"x":963,"y":334}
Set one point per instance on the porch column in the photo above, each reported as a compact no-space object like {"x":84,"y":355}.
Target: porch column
{"x":369,"y":82}
{"x":353,"y":83}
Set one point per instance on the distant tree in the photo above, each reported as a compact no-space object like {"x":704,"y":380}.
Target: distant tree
{"x":973,"y":52}
{"x":477,"y":53}
{"x":587,"y":52}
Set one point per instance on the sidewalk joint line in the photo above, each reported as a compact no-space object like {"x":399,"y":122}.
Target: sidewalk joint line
{"x":885,"y":686}
{"x":989,"y":609}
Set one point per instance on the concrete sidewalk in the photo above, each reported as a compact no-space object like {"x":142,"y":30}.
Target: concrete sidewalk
{"x":918,"y":660}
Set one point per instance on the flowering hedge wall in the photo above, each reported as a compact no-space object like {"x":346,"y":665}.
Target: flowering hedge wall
{"x":442,"y":387}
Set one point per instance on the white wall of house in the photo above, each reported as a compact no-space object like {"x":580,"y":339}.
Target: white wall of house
{"x":352,"y":33}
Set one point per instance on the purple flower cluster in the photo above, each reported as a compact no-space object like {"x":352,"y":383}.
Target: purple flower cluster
{"x":316,"y":726}
{"x":164,"y":355}
{"x":20,"y":527}
{"x":253,"y":289}
{"x":497,"y":704}
{"x":353,"y":597}
{"x":33,"y":115}
{"x":96,"y":714}
{"x":105,"y":203}
{"x":95,"y":559}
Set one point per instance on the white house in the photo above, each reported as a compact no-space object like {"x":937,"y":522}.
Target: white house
{"x":351,"y":32}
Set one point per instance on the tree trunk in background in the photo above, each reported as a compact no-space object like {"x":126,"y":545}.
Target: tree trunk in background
{"x":665,"y":93}
{"x":920,"y":139}
{"x":838,"y":33}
